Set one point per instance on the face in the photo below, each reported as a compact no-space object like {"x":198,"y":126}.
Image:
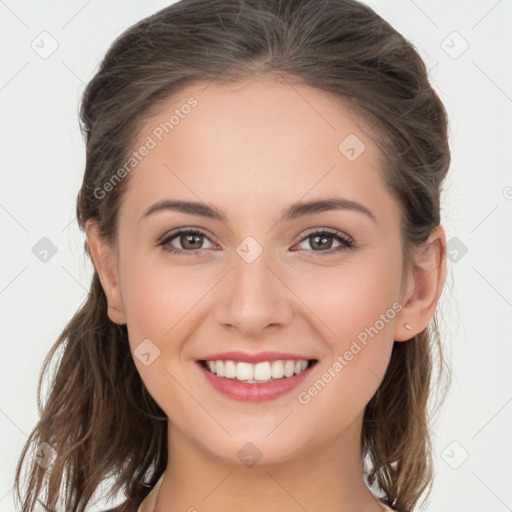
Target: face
{"x":322,"y":285}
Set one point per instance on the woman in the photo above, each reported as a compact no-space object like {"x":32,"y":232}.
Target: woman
{"x":261,"y":204}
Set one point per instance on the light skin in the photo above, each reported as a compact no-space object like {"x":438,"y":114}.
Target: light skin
{"x":252,"y":150}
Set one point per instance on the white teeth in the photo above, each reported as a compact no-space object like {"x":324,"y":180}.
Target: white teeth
{"x":219,"y":368}
{"x":289,"y":368}
{"x":277,"y":369}
{"x":244,"y":371}
{"x":261,"y":372}
{"x":230,"y":370}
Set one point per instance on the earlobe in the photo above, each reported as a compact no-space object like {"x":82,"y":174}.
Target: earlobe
{"x":104,"y":261}
{"x":424,"y":286}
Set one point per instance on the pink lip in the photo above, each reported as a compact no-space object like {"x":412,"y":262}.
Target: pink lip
{"x":254,"y":392}
{"x":238,"y":356}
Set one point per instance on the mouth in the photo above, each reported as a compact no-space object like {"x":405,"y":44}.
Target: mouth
{"x":264,"y":381}
{"x":259,"y":373}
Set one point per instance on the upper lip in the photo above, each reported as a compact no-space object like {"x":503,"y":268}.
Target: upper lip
{"x":259,"y":357}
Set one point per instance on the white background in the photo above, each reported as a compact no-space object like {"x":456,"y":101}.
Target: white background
{"x":42,"y":162}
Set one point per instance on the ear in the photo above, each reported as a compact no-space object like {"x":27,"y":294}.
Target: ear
{"x":105,"y":263}
{"x":424,"y":286}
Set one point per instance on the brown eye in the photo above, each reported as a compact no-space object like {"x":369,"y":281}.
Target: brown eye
{"x":321,"y":241}
{"x":191,"y":242}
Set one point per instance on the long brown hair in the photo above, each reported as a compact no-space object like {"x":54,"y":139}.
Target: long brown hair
{"x":98,"y":415}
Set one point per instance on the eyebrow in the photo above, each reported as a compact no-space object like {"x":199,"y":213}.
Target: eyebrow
{"x":292,"y":212}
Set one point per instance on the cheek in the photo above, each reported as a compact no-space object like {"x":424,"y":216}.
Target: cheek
{"x":351,"y":298}
{"x":358,"y":356}
{"x":158,"y":303}
{"x":356,"y":313}
{"x":157,"y":296}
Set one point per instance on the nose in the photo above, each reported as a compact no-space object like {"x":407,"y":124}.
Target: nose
{"x":254,"y":297}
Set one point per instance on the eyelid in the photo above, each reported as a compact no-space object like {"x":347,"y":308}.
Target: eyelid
{"x":181,"y":230}
{"x":331,"y":231}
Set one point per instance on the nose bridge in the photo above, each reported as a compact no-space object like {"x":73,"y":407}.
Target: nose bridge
{"x":256,"y":297}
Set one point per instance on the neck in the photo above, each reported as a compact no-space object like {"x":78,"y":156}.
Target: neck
{"x":328,"y":477}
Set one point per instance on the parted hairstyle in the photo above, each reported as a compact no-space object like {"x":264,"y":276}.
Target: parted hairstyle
{"x":98,"y":415}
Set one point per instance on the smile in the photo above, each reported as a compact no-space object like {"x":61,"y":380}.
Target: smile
{"x":266,"y":371}
{"x":255,"y":382}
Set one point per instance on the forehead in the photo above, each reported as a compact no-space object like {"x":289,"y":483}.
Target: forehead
{"x":253,"y":142}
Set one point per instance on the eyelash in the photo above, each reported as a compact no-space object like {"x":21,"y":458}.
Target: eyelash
{"x":347,"y":242}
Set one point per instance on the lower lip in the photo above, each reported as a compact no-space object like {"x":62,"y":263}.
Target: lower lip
{"x":255,"y":392}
